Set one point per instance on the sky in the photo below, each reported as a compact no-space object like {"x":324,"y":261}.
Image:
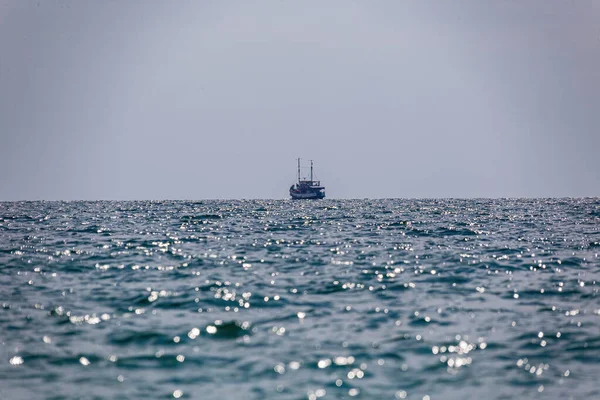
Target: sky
{"x":187,"y":99}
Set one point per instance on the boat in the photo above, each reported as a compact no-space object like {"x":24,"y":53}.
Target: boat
{"x":307,"y":188}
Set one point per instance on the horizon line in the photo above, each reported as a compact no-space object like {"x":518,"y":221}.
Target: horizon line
{"x":309,"y":200}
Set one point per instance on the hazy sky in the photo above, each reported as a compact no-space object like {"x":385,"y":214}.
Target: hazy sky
{"x":207,"y":99}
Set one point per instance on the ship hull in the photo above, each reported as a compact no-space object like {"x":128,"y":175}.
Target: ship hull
{"x":307,"y":196}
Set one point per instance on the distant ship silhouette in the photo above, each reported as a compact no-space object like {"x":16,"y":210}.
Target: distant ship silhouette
{"x":307,"y":189}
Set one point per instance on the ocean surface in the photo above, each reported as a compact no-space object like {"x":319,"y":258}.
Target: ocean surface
{"x":332,"y":299}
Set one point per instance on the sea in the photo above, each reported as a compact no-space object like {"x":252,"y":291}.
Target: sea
{"x":277,"y":299}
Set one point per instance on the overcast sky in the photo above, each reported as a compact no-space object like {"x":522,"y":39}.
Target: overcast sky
{"x":207,"y":99}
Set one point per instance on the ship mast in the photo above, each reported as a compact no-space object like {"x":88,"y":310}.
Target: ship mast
{"x":311,"y":173}
{"x":298,"y":169}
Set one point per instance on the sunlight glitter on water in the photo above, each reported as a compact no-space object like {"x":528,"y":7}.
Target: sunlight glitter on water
{"x":334,"y":299}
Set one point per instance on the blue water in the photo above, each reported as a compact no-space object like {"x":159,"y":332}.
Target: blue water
{"x":369,"y":299}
